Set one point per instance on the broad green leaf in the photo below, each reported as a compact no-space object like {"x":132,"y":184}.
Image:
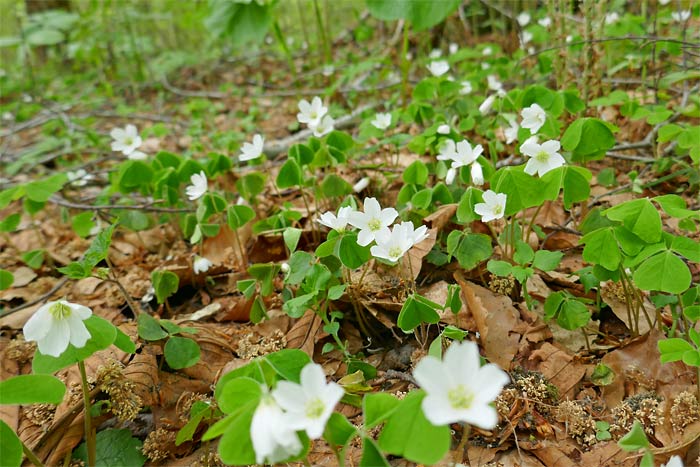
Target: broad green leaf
{"x":41,"y":190}
{"x":238,"y":392}
{"x":409,"y":434}
{"x":251,"y":185}
{"x":6,"y":279}
{"x":149,"y":328}
{"x":378,"y":407}
{"x":11,"y":222}
{"x":238,"y":215}
{"x":34,"y":259}
{"x":588,"y":139}
{"x":102,"y":333}
{"x":339,"y":431}
{"x":82,"y":223}
{"x":601,"y":248}
{"x":165,"y":283}
{"x":640,"y":216}
{"x":416,"y":173}
{"x":239,"y":22}
{"x":414,"y":312}
{"x":673,"y":349}
{"x":134,"y":174}
{"x":288,"y":363}
{"x":334,"y":186}
{"x":32,"y":389}
{"x":289,"y":175}
{"x":351,"y":254}
{"x":469,"y":249}
{"x":114,"y":447}
{"x":291,"y":236}
{"x":635,"y":439}
{"x":371,"y":455}
{"x":124,"y":342}
{"x":573,"y":315}
{"x":575,"y":181}
{"x":181,"y":352}
{"x":11,"y":452}
{"x":499,"y":268}
{"x":686,"y":247}
{"x":523,"y":190}
{"x":420,"y":13}
{"x":665,"y":272}
{"x":546,"y":260}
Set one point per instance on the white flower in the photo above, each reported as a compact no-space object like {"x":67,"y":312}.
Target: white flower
{"x":392,"y":245}
{"x":487,"y":51}
{"x":466,"y":87}
{"x":325,"y":126}
{"x":453,"y":48}
{"x":149,"y":295}
{"x":198,"y":186}
{"x":361,"y":185}
{"x":523,"y":19}
{"x":381,"y":121}
{"x":664,"y":2}
{"x":674,"y":461}
{"x":545,"y":22}
{"x":308,"y":405}
{"x":336,"y":222}
{"x":443,"y":129}
{"x":543,"y":157}
{"x":252,"y":151}
{"x":372,"y":221}
{"x":137,"y":156}
{"x":284,"y":267}
{"x":201,"y":264}
{"x":126,"y":140}
{"x":79,"y":178}
{"x":450,"y":176}
{"x":458,"y":389}
{"x":273,"y":439}
{"x":438,"y":67}
{"x":460,"y":154}
{"x":312,"y":113}
{"x":477,"y":174}
{"x":56,"y":324}
{"x":680,"y":16}
{"x":486,"y":106}
{"x":568,"y":39}
{"x":494,"y":83}
{"x":526,"y":37}
{"x":493,"y":207}
{"x":511,"y":133}
{"x":533,"y":118}
{"x":435,"y":53}
{"x":612,"y":18}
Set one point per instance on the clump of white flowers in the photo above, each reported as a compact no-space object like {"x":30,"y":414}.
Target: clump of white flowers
{"x":314,"y":115}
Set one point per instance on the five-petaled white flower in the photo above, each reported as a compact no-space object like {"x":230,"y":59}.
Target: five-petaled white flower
{"x":487,"y":51}
{"x":458,"y":389}
{"x":382,"y":121}
{"x":543,"y":157}
{"x":372,"y":221}
{"x":198,"y":186}
{"x":308,"y":405}
{"x":680,"y":16}
{"x":392,"y":245}
{"x":674,"y":461}
{"x":201,"y":264}
{"x":252,"y":151}
{"x":312,"y":113}
{"x":325,"y":126}
{"x":336,"y":222}
{"x":466,"y":88}
{"x":274,"y":440}
{"x":533,"y":118}
{"x":493,"y":207}
{"x":438,"y":67}
{"x":460,"y":154}
{"x":126,"y":140}
{"x":523,"y":19}
{"x":56,"y":324}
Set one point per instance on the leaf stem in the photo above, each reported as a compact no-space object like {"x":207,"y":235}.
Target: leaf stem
{"x":89,"y":434}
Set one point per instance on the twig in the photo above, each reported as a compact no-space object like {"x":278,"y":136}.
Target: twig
{"x":39,"y":299}
{"x":106,"y":207}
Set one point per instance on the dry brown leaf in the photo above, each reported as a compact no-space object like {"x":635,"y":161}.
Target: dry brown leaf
{"x":619,"y":307}
{"x":304,"y":333}
{"x":441,"y":217}
{"x":560,"y":368}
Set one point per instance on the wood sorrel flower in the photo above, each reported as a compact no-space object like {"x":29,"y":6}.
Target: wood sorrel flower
{"x":56,"y":324}
{"x":392,"y":245}
{"x":126,"y":140}
{"x":198,"y":187}
{"x":336,"y":222}
{"x":438,"y":67}
{"x":308,"y":405}
{"x":372,"y":221}
{"x":274,"y":440}
{"x":458,"y":389}
{"x":674,"y":461}
{"x":252,"y":151}
{"x":201,"y":264}
{"x":533,"y":118}
{"x":325,"y":126}
{"x":543,"y":157}
{"x":312,"y":113}
{"x":381,"y":121}
{"x":493,"y":207}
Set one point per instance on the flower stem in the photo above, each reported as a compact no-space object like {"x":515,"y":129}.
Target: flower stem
{"x":461,"y":452}
{"x":89,"y":435}
{"x":31,"y":456}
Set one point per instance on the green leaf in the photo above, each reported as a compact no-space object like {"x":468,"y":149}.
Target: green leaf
{"x":422,"y":14}
{"x":165,"y":283}
{"x":41,"y":190}
{"x":470,"y":249}
{"x":198,"y":412}
{"x":546,"y":260}
{"x":239,"y":392}
{"x":82,"y":224}
{"x":686,"y":247}
{"x":114,"y":447}
{"x":414,"y":312}
{"x":523,"y":190}
{"x":351,"y":254}
{"x":11,"y":222}
{"x":588,"y":139}
{"x":523,"y":253}
{"x":665,"y":272}
{"x":673,"y":349}
{"x":288,"y":363}
{"x":635,"y":439}
{"x":124,"y":342}
{"x":289,"y":175}
{"x":640,"y":216}
{"x":291,"y":237}
{"x":11,"y":452}
{"x":334,"y":186}
{"x":409,"y":434}
{"x":181,"y":352}
{"x":236,"y":446}
{"x":6,"y":279}
{"x":32,"y":389}
{"x":692,"y":358}
{"x":416,"y":173}
{"x":34,"y":259}
{"x":149,"y":328}
{"x":602,"y":249}
{"x":602,"y":375}
{"x":573,"y":315}
{"x":378,"y":407}
{"x":239,"y":22}
{"x":499,"y":268}
{"x":371,"y":455}
{"x":575,"y":181}
{"x":297,"y":306}
{"x":339,"y":431}
{"x":102,"y":332}
{"x":301,"y":153}
{"x":134,"y":174}
{"x":692,"y":312}
{"x":251,"y":185}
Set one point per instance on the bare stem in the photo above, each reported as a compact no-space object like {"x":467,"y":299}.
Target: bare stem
{"x":89,"y":435}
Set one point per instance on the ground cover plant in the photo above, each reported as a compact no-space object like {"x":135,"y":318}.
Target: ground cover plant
{"x":350,"y":233}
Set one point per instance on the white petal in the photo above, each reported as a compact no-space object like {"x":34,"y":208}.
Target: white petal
{"x":131,"y":131}
{"x":431,"y":375}
{"x":491,"y":380}
{"x":462,"y":361}
{"x":81,"y":310}
{"x":39,"y":325}
{"x":483,"y":416}
{"x":313,"y":379}
{"x":438,"y":410}
{"x":364,"y":237}
{"x":118,"y":134}
{"x":79,"y":334}
{"x":56,"y":341}
{"x":288,"y":395}
{"x":532,"y":166}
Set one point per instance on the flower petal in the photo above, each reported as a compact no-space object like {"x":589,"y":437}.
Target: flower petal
{"x":56,"y":341}
{"x":431,"y":375}
{"x":81,"y":310}
{"x":438,"y":410}
{"x":290,"y":396}
{"x":39,"y":325}
{"x":491,"y":380}
{"x":79,"y":334}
